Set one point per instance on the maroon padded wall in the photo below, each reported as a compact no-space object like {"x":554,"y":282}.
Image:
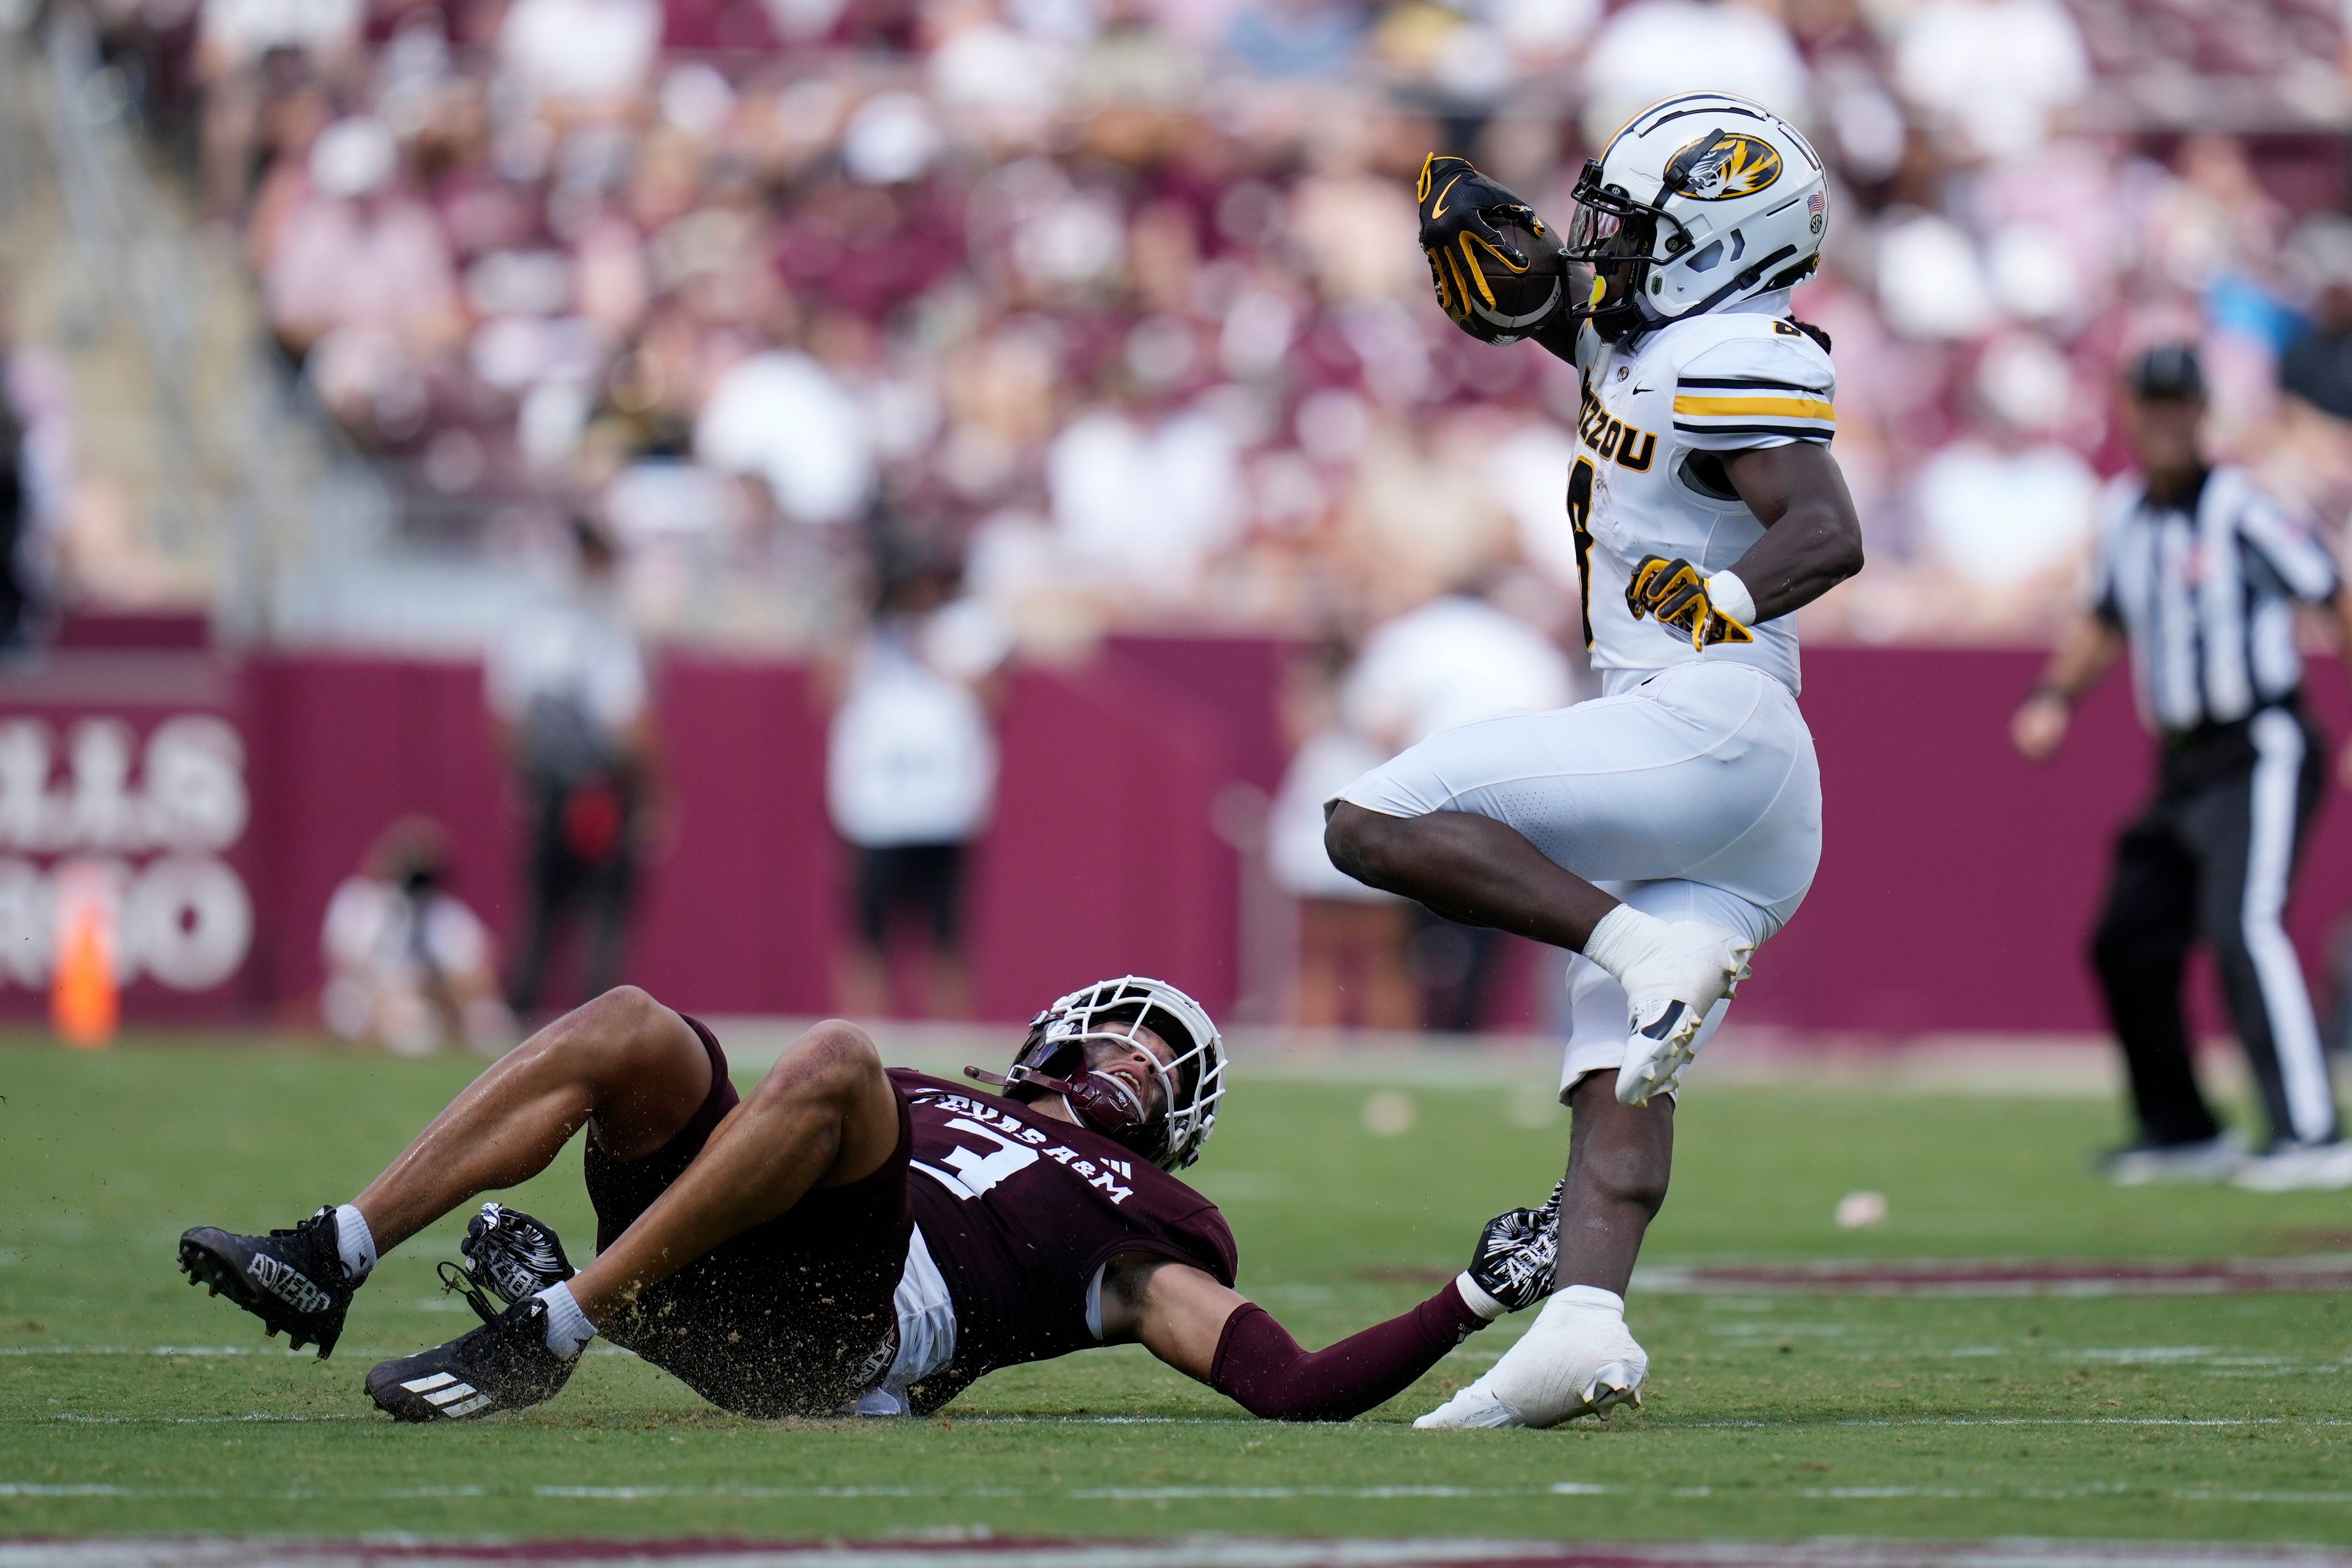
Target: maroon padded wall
{"x":1955,"y":890}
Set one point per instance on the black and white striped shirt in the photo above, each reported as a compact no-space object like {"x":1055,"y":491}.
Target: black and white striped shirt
{"x":2205,"y":594}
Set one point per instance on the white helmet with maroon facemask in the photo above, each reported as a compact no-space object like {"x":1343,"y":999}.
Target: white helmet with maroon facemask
{"x":1053,"y":1060}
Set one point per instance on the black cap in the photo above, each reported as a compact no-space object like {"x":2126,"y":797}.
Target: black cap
{"x":2168,"y":373}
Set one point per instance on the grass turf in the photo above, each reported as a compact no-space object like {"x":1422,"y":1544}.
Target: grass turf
{"x":2186,"y":1417}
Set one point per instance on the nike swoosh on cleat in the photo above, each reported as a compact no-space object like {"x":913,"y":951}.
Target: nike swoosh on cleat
{"x":1667,"y":1020}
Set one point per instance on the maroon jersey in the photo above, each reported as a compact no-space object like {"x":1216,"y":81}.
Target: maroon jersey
{"x":1021,"y":1211}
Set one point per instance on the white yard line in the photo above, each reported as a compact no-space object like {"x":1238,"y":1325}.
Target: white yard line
{"x":1662,"y":1422}
{"x":1402,"y":1491}
{"x":1223,"y":1551}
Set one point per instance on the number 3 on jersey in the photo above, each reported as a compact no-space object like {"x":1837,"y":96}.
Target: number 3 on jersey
{"x":976,"y":1172}
{"x":1580,"y":518}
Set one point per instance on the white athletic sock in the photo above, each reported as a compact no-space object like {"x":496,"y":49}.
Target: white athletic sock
{"x":354,"y":1241}
{"x":568,"y":1328}
{"x":1589,"y":1297}
{"x":1624,"y":936}
{"x":1532,"y":1347}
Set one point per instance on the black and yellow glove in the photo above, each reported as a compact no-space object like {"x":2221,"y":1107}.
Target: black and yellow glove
{"x":1459,"y":207}
{"x":1674,"y":594}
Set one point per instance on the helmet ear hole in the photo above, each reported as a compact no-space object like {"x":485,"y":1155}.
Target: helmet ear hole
{"x":1708,"y":259}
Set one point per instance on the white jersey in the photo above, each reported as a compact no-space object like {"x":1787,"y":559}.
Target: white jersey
{"x":1733,"y":379}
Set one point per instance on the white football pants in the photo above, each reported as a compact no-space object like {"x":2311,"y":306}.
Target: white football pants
{"x":1693,"y":796}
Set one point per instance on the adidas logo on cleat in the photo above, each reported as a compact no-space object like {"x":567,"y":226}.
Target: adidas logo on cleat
{"x":288,"y":1284}
{"x":446,"y":1395}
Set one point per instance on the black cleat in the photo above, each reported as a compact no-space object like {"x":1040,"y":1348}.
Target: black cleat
{"x":290,"y":1280}
{"x":505,"y":1365}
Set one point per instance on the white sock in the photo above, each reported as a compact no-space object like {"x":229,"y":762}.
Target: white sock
{"x":1624,"y":936}
{"x":1563,"y":1302}
{"x":568,"y":1328}
{"x":354,"y":1241}
{"x":1589,"y":1296}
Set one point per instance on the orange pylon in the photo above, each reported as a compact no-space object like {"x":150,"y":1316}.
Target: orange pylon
{"x":84,"y":1003}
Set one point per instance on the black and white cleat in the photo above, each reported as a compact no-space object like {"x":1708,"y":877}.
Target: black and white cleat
{"x":293,"y":1280}
{"x":505,"y":1365}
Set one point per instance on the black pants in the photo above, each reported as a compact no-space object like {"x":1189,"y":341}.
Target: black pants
{"x":580,"y":859}
{"x":919,"y":881}
{"x":2211,"y":859}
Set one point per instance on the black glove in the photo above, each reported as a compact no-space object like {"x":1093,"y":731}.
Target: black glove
{"x":1674,"y":594}
{"x":1459,"y":207}
{"x":1518,"y":1252}
{"x":508,"y":1255}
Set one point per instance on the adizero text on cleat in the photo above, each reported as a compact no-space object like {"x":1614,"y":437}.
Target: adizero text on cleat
{"x":292,"y":1280}
{"x":505,"y":1365}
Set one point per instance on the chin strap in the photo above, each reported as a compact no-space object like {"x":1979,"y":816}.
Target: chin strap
{"x":1102,"y":1101}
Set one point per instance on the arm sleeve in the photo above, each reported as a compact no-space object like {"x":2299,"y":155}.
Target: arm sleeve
{"x":1756,"y":391}
{"x":1260,"y":1367}
{"x":2291,"y":548}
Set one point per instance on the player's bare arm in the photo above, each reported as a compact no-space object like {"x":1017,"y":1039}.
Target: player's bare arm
{"x":1812,"y":536}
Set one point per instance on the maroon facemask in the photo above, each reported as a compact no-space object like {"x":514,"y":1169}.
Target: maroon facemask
{"x":1103,"y":1101}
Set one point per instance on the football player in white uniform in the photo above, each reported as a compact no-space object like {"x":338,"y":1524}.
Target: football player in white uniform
{"x":1706,"y":510}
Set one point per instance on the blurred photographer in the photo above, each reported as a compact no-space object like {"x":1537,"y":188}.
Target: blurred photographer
{"x":910,"y":777}
{"x":409,"y":966}
{"x":568,"y":691}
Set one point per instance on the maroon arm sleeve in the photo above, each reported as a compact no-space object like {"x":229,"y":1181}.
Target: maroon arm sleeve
{"x":1259,"y":1366}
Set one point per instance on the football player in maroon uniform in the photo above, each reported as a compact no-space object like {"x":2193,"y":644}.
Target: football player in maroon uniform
{"x":849,"y":1237}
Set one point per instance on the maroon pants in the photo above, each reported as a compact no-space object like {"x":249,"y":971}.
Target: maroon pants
{"x":791,"y":1318}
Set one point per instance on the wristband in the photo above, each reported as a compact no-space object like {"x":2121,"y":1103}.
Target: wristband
{"x":1731,"y":598}
{"x":1476,"y":1297}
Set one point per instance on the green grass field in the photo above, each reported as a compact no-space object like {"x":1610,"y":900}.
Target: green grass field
{"x":129,"y":1403}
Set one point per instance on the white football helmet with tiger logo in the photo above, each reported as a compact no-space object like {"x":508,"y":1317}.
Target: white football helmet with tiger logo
{"x":1701,"y":200}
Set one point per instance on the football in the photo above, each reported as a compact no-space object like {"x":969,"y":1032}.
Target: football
{"x":1521,"y":299}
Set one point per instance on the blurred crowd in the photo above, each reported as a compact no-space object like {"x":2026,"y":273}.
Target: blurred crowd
{"x":923,"y":334}
{"x":1118,"y":301}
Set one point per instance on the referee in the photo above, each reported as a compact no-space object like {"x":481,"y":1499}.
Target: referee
{"x":2198,"y":573}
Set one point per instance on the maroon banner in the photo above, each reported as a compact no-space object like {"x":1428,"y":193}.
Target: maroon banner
{"x":224,"y":802}
{"x":125,"y":777}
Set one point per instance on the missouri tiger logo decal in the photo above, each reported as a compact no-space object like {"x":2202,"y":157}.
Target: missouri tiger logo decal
{"x":1722,"y":165}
